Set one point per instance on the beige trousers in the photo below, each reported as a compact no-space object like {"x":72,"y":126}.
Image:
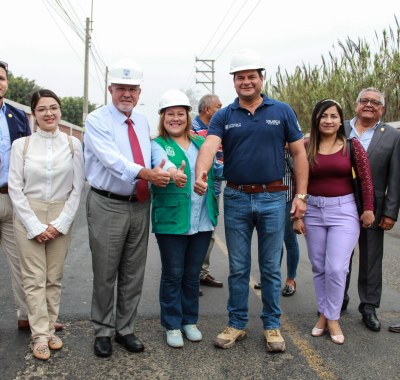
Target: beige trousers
{"x":10,"y":251}
{"x":42,"y":267}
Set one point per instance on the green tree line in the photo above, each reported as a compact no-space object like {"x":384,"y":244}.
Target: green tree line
{"x":342,"y":78}
{"x":21,"y":89}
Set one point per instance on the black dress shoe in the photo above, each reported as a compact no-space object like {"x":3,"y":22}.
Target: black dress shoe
{"x":257,"y":286}
{"x":211,"y":281}
{"x":130,"y":342}
{"x":371,"y":321}
{"x":102,"y":346}
{"x":200,"y":292}
{"x":288,"y":290}
{"x":395,"y":328}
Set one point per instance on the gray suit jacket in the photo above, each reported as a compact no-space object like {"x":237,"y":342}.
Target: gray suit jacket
{"x":384,"y":158}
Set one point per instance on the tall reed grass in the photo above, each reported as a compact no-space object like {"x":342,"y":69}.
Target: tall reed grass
{"x":342,"y":78}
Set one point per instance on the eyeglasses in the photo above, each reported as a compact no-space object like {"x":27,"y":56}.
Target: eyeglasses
{"x":43,"y":110}
{"x":374,"y":103}
{"x":131,"y":90}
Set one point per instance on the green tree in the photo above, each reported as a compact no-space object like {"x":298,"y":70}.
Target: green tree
{"x":21,"y":89}
{"x":342,"y":78}
{"x":71,"y":108}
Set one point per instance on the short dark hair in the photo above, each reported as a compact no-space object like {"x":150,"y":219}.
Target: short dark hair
{"x":3,"y":66}
{"x":258,"y":70}
{"x":43,"y":94}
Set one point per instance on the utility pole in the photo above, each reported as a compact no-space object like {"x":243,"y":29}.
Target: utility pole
{"x":105,"y":90}
{"x":205,"y":72}
{"x":86,"y":83}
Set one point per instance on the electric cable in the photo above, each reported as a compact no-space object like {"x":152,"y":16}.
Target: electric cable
{"x":238,"y":30}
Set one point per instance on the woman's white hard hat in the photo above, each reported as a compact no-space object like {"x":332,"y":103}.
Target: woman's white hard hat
{"x":126,"y":71}
{"x":174,"y":98}
{"x":246,"y":59}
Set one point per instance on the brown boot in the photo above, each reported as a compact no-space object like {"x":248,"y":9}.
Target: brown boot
{"x":229,"y":336}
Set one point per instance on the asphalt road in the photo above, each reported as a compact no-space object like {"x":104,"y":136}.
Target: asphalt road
{"x":364,"y":355}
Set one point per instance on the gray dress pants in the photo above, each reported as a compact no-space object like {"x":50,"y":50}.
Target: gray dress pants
{"x":118,"y":238}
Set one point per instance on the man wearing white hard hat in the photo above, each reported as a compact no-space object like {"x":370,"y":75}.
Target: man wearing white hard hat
{"x":253,"y":131}
{"x":118,"y":164}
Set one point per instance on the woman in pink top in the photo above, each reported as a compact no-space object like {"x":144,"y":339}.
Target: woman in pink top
{"x":331,"y":225}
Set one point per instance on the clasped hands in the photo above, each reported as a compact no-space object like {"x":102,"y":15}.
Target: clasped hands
{"x":47,"y":235}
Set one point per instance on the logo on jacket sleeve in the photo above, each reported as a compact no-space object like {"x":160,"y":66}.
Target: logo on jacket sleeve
{"x":170,"y":151}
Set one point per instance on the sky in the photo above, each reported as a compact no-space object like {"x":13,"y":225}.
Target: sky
{"x":164,"y":37}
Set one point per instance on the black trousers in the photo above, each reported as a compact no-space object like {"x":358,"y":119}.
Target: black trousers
{"x":370,"y":270}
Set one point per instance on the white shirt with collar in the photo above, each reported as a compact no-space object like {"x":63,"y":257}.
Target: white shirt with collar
{"x":366,"y":137}
{"x":109,"y":161}
{"x":5,"y":146}
{"x":47,"y":173}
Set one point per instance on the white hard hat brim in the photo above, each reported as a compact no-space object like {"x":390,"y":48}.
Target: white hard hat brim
{"x":134,"y":82}
{"x":161,"y":110}
{"x":244,"y":68}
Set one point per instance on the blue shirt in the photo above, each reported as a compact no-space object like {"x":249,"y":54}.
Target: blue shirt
{"x":109,"y":162}
{"x":254,"y":144}
{"x":366,"y":137}
{"x":200,"y":129}
{"x":5,"y":146}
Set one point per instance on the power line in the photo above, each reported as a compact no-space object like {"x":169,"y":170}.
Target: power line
{"x":238,"y":30}
{"x":237,"y":14}
{"x":217,"y":28}
{"x":62,"y":32}
{"x":69,"y":42}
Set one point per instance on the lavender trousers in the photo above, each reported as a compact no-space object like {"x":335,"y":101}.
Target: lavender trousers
{"x":332,"y":231}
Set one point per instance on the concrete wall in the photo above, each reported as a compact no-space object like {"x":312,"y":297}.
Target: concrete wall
{"x":64,"y":126}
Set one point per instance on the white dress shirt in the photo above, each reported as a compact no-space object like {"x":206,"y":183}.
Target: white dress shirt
{"x":109,"y":160}
{"x":47,"y":173}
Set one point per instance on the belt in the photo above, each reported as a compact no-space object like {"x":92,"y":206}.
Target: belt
{"x":108,"y":194}
{"x":267,"y":188}
{"x":330,"y":201}
{"x":4,"y":189}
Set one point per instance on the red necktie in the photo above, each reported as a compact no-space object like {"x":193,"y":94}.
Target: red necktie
{"x":142,"y":186}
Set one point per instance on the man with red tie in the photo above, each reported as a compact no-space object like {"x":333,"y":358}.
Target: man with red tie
{"x":118,"y":163}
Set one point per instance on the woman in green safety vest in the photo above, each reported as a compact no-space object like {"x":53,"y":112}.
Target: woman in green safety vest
{"x":182,"y":221}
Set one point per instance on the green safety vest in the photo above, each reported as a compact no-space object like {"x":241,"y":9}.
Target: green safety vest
{"x":170,"y":213}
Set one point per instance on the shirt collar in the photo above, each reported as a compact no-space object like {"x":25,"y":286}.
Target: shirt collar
{"x":121,"y":118}
{"x":353,"y":123}
{"x":201,"y":124}
{"x":266,"y":101}
{"x":48,"y":135}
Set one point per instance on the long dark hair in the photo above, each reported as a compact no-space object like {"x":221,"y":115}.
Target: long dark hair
{"x":43,"y":94}
{"x":314,"y":141}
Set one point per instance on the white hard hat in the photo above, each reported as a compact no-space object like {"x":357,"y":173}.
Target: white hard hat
{"x":246,"y":59}
{"x":126,"y":71}
{"x":173,"y":98}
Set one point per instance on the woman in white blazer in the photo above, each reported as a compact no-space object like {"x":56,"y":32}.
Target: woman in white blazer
{"x":46,"y":184}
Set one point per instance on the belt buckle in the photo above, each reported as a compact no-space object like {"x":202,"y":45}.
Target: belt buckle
{"x":321,"y":201}
{"x":130,"y":197}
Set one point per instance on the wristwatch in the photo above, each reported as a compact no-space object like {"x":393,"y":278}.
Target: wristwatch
{"x":303,"y":197}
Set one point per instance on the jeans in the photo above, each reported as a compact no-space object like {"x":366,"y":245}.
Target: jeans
{"x":243,"y":212}
{"x":292,"y":246}
{"x":181,"y":258}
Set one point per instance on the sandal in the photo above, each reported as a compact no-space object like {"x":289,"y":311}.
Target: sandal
{"x":41,"y":350}
{"x":55,"y":343}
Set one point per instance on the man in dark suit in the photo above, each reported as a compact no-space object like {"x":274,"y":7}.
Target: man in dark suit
{"x":382,"y":143}
{"x":13,"y":125}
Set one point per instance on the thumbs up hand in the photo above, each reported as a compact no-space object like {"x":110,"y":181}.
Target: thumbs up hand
{"x":180,"y":176}
{"x":200,"y":186}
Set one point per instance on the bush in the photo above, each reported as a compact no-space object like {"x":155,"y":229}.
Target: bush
{"x":343,"y":78}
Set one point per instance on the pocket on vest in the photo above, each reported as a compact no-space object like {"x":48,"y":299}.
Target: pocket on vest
{"x":166,"y":211}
